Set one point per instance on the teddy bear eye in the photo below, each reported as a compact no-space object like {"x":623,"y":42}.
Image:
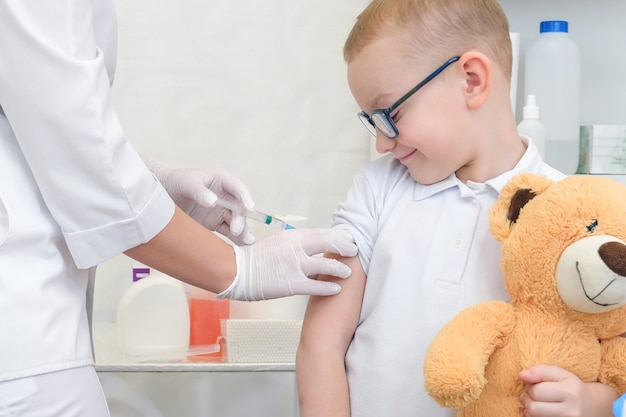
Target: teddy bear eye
{"x":592,"y":226}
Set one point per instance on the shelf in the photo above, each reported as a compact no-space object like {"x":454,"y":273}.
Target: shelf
{"x":110,"y":358}
{"x":621,"y":178}
{"x":194,"y":367}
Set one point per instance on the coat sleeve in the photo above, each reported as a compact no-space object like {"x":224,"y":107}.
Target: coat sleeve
{"x":56,"y":95}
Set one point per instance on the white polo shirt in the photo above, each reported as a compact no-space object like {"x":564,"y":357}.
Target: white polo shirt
{"x":428,"y":253}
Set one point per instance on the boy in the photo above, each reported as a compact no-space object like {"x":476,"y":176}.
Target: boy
{"x":420,"y":214}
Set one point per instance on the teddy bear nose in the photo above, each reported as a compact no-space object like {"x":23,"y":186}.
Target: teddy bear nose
{"x":614,"y":256}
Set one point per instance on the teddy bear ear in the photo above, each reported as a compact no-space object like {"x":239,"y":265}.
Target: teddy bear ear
{"x":512,"y":199}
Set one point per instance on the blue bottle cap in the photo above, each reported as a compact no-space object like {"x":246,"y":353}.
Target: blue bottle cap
{"x":553,"y":26}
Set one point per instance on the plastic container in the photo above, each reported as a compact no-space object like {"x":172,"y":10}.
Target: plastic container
{"x":552,"y":75}
{"x":153,"y":317}
{"x":206,"y":313}
{"x":531,"y":125}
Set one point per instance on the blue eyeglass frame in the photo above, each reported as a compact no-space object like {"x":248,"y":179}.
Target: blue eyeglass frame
{"x":383,"y":116}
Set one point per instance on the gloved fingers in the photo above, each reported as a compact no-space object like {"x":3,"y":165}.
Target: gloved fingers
{"x":239,"y":227}
{"x":244,"y":238}
{"x":317,"y":265}
{"x":313,"y":287}
{"x":224,"y":229}
{"x":231,"y":185}
{"x":336,"y":241}
{"x":237,"y":222}
{"x":207,"y":198}
{"x":187,"y":183}
{"x":190,"y":187}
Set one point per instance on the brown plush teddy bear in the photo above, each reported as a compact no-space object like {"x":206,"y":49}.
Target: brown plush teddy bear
{"x":564,"y":266}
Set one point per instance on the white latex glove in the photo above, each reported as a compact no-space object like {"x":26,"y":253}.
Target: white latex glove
{"x":283,"y":264}
{"x":195,"y":191}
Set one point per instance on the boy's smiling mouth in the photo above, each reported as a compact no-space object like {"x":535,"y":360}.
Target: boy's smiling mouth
{"x":403,"y":158}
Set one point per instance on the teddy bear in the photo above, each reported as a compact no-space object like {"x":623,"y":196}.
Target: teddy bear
{"x":563,"y":259}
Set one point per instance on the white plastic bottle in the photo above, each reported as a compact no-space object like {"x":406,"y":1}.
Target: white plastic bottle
{"x":153,"y":317}
{"x":552,"y":75}
{"x":532,"y":126}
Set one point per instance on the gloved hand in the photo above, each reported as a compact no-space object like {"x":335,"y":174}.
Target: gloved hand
{"x":283,"y":264}
{"x":195,"y":191}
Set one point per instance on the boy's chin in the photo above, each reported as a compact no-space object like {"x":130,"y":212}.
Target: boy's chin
{"x":427,"y":178}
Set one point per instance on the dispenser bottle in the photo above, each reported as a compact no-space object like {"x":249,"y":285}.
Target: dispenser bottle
{"x":153,"y":316}
{"x":531,"y":125}
{"x":552,"y":75}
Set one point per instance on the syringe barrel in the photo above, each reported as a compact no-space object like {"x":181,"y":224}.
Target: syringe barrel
{"x":267,"y":219}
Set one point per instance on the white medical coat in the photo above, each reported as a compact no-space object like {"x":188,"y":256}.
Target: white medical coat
{"x":73,"y":192}
{"x":428,"y":253}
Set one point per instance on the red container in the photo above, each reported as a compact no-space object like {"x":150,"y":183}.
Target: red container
{"x":205,"y":316}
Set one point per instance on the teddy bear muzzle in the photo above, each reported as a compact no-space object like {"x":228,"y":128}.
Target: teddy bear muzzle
{"x":591,"y":274}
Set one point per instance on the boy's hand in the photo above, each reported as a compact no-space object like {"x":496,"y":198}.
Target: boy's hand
{"x":551,"y":391}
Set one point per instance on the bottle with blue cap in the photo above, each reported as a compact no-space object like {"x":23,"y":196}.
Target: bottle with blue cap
{"x":552,"y":75}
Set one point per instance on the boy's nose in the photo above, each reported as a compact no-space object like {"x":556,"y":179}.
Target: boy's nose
{"x":383,"y":143}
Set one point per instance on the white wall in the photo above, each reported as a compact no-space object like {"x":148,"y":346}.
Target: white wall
{"x":258,"y":87}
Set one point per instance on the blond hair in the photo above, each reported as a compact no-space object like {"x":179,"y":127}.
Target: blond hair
{"x":437,"y":29}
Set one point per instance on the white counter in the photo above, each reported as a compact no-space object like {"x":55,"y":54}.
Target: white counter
{"x":192,"y":385}
{"x":110,"y":358}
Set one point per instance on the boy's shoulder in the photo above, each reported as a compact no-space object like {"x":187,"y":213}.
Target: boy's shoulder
{"x":384,"y":165}
{"x":386,"y":179}
{"x":385,"y":171}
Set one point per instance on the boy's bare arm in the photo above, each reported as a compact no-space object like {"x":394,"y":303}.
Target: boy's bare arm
{"x":328,"y":327}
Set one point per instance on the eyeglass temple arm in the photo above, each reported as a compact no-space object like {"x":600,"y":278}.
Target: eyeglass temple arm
{"x":420,"y":85}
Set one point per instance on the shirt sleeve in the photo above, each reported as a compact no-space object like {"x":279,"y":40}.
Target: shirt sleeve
{"x":56,"y":95}
{"x":359,"y":215}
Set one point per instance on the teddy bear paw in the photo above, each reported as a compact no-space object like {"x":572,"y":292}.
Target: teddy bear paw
{"x":455,"y":390}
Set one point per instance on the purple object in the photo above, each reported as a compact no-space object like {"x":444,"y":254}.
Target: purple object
{"x":139,"y":273}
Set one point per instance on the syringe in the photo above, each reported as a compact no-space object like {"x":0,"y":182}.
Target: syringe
{"x":254,"y":214}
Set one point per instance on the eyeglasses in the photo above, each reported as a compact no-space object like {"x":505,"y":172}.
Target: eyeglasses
{"x":381,"y":119}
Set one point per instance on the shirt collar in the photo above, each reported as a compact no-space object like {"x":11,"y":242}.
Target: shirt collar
{"x":424,"y":191}
{"x":530,"y":162}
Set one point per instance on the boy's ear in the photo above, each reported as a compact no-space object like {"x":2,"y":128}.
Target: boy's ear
{"x":477,"y":70}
